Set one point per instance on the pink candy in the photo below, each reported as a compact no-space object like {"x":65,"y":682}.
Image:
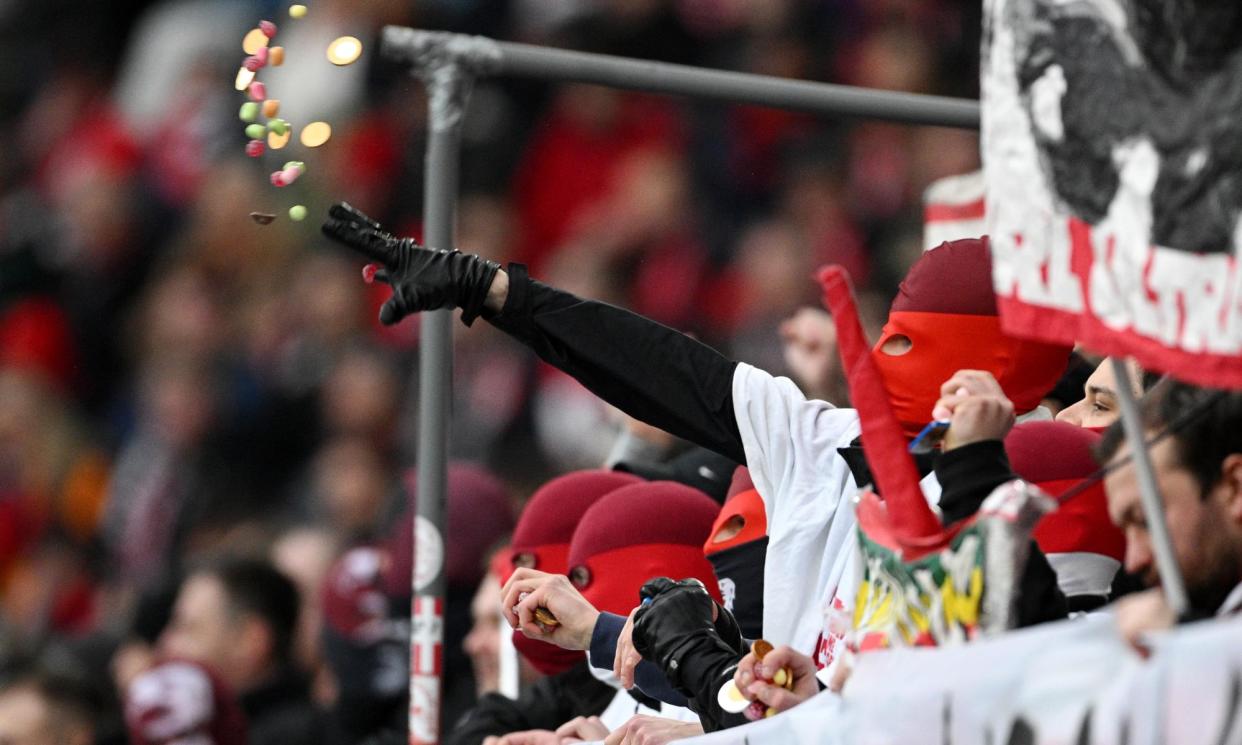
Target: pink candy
{"x":368,"y":273}
{"x":255,"y":148}
{"x":253,"y":63}
{"x":258,"y":91}
{"x":261,"y":54}
{"x":289,"y":175}
{"x":268,"y":28}
{"x":278,"y":178}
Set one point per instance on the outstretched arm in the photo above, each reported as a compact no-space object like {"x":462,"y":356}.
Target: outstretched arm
{"x":647,"y":370}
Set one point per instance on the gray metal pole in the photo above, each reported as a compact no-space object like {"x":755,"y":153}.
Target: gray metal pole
{"x":524,"y":60}
{"x":448,"y":86}
{"x":1153,"y":505}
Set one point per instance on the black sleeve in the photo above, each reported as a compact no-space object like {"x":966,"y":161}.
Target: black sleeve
{"x":967,"y":475}
{"x":647,"y":370}
{"x":547,"y":704}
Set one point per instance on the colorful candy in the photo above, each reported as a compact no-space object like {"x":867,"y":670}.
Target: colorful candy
{"x":255,"y":148}
{"x":257,"y":90}
{"x":297,"y":213}
{"x":277,"y":57}
{"x":252,"y":63}
{"x":254,"y":40}
{"x":248,"y":111}
{"x":278,"y":126}
{"x":289,"y":175}
{"x":268,"y":28}
{"x":261,"y":54}
{"x":244,"y":78}
{"x":271,"y":107}
{"x":278,"y":178}
{"x":255,"y":131}
{"x":276,"y":142}
{"x":297,"y":11}
{"x":316,"y":133}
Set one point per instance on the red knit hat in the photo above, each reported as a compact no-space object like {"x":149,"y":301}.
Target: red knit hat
{"x":1056,"y":456}
{"x":547,"y":523}
{"x":541,"y":541}
{"x":947,"y":308}
{"x":180,"y":701}
{"x":651,"y":529}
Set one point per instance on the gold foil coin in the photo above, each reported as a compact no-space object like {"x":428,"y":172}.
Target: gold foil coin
{"x":316,"y":133}
{"x":344,"y":50}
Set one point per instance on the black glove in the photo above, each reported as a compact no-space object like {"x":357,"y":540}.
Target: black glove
{"x":421,"y":278}
{"x":674,"y":629}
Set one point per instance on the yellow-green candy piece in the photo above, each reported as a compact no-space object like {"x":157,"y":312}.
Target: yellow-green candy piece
{"x":278,"y":126}
{"x":297,"y":213}
{"x":255,"y":131}
{"x":297,"y":11}
{"x":249,"y":111}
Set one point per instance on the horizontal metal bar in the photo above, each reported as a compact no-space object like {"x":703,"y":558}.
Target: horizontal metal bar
{"x":545,"y":63}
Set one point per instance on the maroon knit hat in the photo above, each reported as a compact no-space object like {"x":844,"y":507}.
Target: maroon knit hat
{"x":553,"y":512}
{"x":955,"y":277}
{"x":638,"y":532}
{"x":479,"y":514}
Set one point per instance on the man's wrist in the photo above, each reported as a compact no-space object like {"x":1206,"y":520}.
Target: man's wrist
{"x":498,"y":292}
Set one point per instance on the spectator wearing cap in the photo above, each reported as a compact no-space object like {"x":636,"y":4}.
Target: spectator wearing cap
{"x":541,"y":541}
{"x":617,"y":547}
{"x":239,"y":617}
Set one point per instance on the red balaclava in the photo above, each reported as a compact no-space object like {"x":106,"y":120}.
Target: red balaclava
{"x":739,"y":560}
{"x":639,"y":532}
{"x":947,"y":308}
{"x":541,"y":541}
{"x":1081,"y":542}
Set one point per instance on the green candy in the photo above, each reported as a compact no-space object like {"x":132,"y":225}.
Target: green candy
{"x":294,"y":164}
{"x":255,"y":131}
{"x":278,"y":127}
{"x":297,"y":213}
{"x":249,"y":111}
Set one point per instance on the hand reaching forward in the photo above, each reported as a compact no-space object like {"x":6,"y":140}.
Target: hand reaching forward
{"x":421,"y":278}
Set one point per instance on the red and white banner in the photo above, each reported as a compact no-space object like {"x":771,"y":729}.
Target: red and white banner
{"x":953,"y":208}
{"x":1114,"y":200}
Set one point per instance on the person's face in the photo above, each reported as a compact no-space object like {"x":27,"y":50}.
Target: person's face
{"x":26,"y":719}
{"x":1204,"y":528}
{"x":1098,"y":407}
{"x":201,"y":628}
{"x":483,"y":641}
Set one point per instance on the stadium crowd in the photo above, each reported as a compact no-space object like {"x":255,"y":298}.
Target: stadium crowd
{"x":206,"y":432}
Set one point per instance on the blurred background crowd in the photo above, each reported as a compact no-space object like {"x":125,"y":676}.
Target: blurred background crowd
{"x":188,"y":399}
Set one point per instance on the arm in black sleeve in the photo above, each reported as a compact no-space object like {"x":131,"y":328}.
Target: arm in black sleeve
{"x":967,"y":475}
{"x":647,"y":370}
{"x":697,"y":654}
{"x":547,"y":704}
